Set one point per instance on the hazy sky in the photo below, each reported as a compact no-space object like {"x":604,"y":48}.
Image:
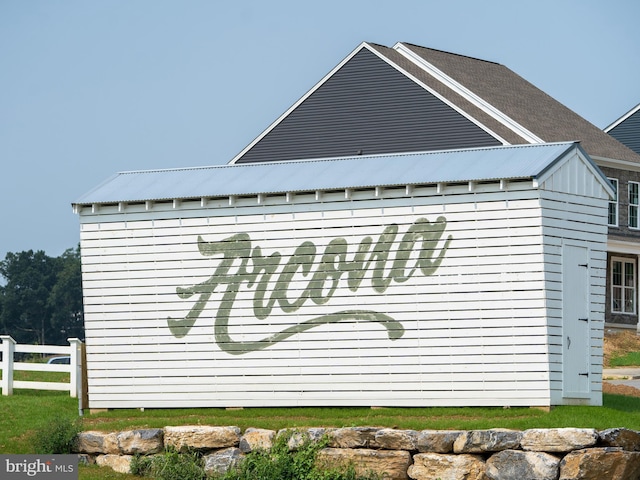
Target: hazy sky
{"x":89,"y":88}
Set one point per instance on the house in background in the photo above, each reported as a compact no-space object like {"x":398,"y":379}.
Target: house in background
{"x":624,"y":226}
{"x":409,"y":98}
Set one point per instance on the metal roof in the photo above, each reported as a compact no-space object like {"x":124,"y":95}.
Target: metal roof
{"x":477,"y":164}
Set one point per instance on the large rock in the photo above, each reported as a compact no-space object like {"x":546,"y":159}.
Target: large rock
{"x":119,"y":463}
{"x":97,"y":442}
{"x":519,"y":465}
{"x":354,"y":437}
{"x":437,"y":441}
{"x":600,"y":464}
{"x":199,"y":437}
{"x":388,"y":464}
{"x":558,"y":439}
{"x":143,"y":442}
{"x":480,"y":441}
{"x":301,"y":436}
{"x":392,"y":439}
{"x":429,"y":466}
{"x":220,"y":462}
{"x":257,"y":439}
{"x":620,"y":437}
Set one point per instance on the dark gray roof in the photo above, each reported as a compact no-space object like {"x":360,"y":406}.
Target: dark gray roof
{"x":627,"y":129}
{"x":491,"y":163}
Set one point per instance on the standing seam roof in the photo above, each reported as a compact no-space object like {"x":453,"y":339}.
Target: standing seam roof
{"x":492,"y":163}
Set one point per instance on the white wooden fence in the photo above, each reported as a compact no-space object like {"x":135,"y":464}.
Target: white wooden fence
{"x":9,"y":366}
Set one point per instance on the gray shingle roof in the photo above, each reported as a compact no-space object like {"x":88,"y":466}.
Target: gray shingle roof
{"x":525,"y":103}
{"x":495,"y":163}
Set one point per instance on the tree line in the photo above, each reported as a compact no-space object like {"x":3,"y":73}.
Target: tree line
{"x":41,"y":299}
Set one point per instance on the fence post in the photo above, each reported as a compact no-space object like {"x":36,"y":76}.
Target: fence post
{"x":8,"y":349}
{"x":83,"y":399}
{"x":76,"y":372}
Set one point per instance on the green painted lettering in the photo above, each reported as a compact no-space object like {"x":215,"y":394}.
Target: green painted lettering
{"x":420,"y":249}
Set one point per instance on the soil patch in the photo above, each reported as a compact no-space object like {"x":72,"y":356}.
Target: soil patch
{"x":620,"y":389}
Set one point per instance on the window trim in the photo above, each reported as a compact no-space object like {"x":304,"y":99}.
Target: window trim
{"x":634,"y":206}
{"x":624,"y":261}
{"x":613,"y":203}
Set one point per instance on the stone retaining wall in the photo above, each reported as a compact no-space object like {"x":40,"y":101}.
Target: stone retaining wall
{"x":498,"y":454}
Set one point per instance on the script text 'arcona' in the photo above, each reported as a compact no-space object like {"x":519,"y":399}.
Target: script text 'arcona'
{"x":242,"y":265}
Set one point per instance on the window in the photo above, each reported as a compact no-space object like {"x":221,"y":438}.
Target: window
{"x":623,"y":285}
{"x":633,"y":204}
{"x":613,"y":204}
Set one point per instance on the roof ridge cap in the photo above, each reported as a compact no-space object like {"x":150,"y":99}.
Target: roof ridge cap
{"x":343,"y":158}
{"x":452,"y":53}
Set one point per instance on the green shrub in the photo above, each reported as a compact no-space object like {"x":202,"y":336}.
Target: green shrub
{"x":57,"y":437}
{"x":141,"y":465}
{"x":280,"y":463}
{"x":170,"y":465}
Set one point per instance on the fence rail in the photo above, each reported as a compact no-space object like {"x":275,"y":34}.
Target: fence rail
{"x":9,"y":366}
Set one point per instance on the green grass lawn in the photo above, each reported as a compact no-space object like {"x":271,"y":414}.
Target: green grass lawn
{"x":631,"y":359}
{"x":94,"y":472}
{"x":28,"y":410}
{"x":618,"y":411}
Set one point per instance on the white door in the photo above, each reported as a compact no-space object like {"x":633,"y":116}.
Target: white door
{"x":575,"y":322}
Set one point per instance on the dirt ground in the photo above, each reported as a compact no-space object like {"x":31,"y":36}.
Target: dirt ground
{"x":615,"y":344}
{"x":620,"y":389}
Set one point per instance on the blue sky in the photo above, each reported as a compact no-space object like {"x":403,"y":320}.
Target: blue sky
{"x":90,"y":88}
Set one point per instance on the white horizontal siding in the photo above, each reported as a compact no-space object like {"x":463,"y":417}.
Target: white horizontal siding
{"x":462,"y":325}
{"x":476,"y":332}
{"x":568,"y":220}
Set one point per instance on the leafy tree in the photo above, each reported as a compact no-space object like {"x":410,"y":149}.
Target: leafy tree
{"x":30,"y":277}
{"x":41,"y":300}
{"x":65,"y":298}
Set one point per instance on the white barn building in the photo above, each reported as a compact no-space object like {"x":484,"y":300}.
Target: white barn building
{"x":464,"y":277}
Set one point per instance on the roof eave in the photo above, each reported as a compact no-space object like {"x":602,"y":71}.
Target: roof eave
{"x":622,"y":118}
{"x":616,"y":163}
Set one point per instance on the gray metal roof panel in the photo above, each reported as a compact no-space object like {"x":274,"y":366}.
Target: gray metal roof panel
{"x":477,"y":164}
